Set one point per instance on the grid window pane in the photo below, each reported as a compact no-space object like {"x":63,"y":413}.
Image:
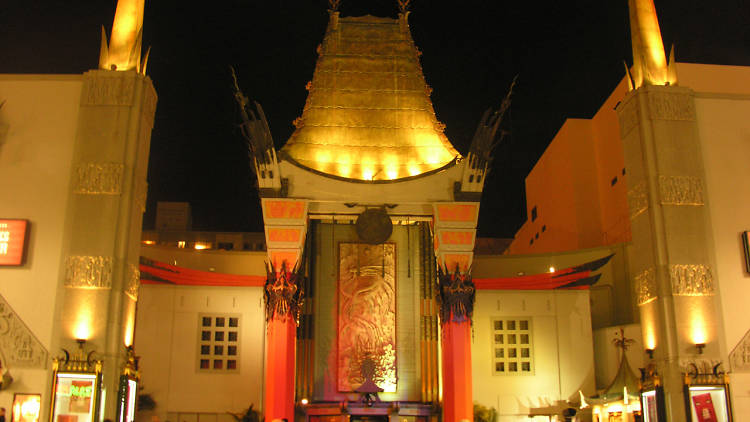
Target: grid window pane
{"x":232,"y":350}
{"x":233,"y":336}
{"x":231,"y":364}
{"x":218,"y":364}
{"x":219,"y":336}
{"x":204,"y":363}
{"x":206,"y":321}
{"x":205,"y":349}
{"x":205,"y":335}
{"x":219,"y":321}
{"x":233,"y":322}
{"x":512,"y":348}
{"x":218,"y":350}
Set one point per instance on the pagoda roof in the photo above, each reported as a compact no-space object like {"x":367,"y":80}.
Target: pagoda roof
{"x":368,"y":114}
{"x":624,"y":380}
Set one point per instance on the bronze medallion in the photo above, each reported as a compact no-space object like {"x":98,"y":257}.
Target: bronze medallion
{"x":374,"y":226}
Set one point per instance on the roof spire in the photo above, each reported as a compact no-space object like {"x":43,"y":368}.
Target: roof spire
{"x":124,"y":49}
{"x":649,"y":61}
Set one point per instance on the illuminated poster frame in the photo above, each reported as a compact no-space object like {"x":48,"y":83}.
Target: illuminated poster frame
{"x":14,"y":239}
{"x":708,"y":403}
{"x":652,"y":405}
{"x":127,"y":399}
{"x":76,"y":391}
{"x":26,"y":405}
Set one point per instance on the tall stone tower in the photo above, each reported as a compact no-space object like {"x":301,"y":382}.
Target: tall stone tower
{"x":107,"y":196}
{"x":361,"y":206}
{"x":671,"y":249}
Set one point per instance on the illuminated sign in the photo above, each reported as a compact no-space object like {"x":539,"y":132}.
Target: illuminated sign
{"x":75,"y":397}
{"x":13,"y":235}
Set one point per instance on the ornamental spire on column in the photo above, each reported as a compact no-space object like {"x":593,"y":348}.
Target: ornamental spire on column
{"x":649,"y":61}
{"x":124,"y":49}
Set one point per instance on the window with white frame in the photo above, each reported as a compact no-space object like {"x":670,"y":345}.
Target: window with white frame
{"x":512,"y":346}
{"x":218,"y":342}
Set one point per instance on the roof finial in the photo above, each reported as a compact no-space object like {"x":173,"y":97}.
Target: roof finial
{"x":622,"y":342}
{"x":124,"y":49}
{"x":403,"y":6}
{"x":333,"y":5}
{"x":649,"y":60}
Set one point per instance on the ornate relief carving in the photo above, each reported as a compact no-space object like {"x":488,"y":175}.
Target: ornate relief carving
{"x":19,"y":346}
{"x":88,"y":272}
{"x":637,"y":200}
{"x":98,"y":179}
{"x":367,"y":314}
{"x":671,"y":106}
{"x":456,"y":296}
{"x":149,"y":106}
{"x":681,"y":190}
{"x":645,"y":284}
{"x":141,"y":195}
{"x":691,"y":280}
{"x":628,"y":116}
{"x":111,"y":90}
{"x":134,"y":282}
{"x":740,"y":357}
{"x":284,"y":293}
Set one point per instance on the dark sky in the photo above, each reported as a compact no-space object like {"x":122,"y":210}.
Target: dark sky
{"x":568,"y":55}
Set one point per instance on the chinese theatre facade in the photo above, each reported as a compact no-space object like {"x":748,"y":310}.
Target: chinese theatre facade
{"x":358,"y":205}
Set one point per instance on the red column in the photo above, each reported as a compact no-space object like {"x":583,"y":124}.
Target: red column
{"x":457,"y":395}
{"x":280,"y":352}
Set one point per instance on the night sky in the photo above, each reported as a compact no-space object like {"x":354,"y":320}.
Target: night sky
{"x":568,"y":55}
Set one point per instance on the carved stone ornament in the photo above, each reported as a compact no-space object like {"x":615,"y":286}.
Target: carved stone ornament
{"x":117,"y":88}
{"x":645,"y":283}
{"x":284,"y":294}
{"x":703,"y":372}
{"x":19,"y":347}
{"x":671,"y":106}
{"x":628,"y":116}
{"x":739,"y":359}
{"x":134,"y":282}
{"x":456,"y":296}
{"x":637,"y":200}
{"x":374,"y":226}
{"x":98,"y":179}
{"x":88,"y":272}
{"x":681,"y":190}
{"x":691,"y":280}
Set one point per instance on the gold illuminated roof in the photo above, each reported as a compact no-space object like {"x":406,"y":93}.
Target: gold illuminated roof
{"x":368,"y":114}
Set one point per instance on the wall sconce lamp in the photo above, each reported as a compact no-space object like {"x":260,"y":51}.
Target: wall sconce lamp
{"x":650,"y":353}
{"x":699,"y":347}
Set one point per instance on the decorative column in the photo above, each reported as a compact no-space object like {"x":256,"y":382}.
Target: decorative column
{"x":456,"y":295}
{"x":285,"y":225}
{"x":283,"y":297}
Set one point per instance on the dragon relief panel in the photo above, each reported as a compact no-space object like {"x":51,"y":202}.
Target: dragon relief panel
{"x":367,"y":314}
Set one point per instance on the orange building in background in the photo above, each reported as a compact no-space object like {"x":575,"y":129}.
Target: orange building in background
{"x":576,"y":193}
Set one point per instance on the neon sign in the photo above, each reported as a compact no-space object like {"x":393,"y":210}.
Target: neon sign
{"x":13,"y":235}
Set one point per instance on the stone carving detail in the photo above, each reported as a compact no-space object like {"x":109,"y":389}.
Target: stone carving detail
{"x":88,"y":272}
{"x":628,"y":117}
{"x":681,"y":190}
{"x":134,"y":282}
{"x":284,"y":293}
{"x":98,"y":179}
{"x":671,"y":106}
{"x":19,"y":346}
{"x":739,"y":359}
{"x":645,"y":284}
{"x":691,"y":280}
{"x":456,"y":295}
{"x":141,"y":195}
{"x":637,"y":200}
{"x":111,"y":90}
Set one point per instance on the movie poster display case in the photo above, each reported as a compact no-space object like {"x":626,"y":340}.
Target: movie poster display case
{"x":76,"y":387}
{"x":652,"y":395}
{"x":127,"y":395}
{"x":707,"y":396}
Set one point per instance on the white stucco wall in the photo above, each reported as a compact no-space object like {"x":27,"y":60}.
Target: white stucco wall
{"x":167,"y":336}
{"x":724,"y":129}
{"x":562,"y":349}
{"x":41,"y":116}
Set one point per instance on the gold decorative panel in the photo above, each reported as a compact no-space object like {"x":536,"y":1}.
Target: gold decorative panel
{"x":740,"y":356}
{"x":637,"y":200}
{"x":645,"y":283}
{"x":691,"y":280}
{"x":367,"y":314}
{"x":88,"y":272}
{"x":117,"y":89}
{"x":134,"y":282}
{"x":98,"y":179}
{"x":681,"y":190}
